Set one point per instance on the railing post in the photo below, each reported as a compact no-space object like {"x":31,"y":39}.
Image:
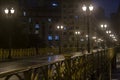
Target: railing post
{"x":84,"y":64}
{"x":27,"y":75}
{"x":68,"y":67}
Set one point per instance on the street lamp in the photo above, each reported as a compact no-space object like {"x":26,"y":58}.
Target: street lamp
{"x":60,"y":37}
{"x":77,"y":33}
{"x":108,"y":31}
{"x":88,"y":9}
{"x":85,"y":8}
{"x":95,"y":43}
{"x":98,"y":42}
{"x":115,"y":39}
{"x":9,"y":12}
{"x":6,"y":11}
{"x":103,"y":26}
{"x":94,"y":37}
{"x":111,"y":35}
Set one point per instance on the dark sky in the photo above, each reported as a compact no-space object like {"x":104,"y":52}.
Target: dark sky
{"x":109,"y":5}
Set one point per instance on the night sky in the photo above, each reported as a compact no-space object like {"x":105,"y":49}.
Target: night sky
{"x":109,"y":6}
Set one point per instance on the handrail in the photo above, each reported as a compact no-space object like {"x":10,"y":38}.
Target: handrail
{"x":74,"y":66}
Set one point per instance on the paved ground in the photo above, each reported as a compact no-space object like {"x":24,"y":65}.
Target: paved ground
{"x":20,"y":64}
{"x":17,"y":64}
{"x":14,"y":65}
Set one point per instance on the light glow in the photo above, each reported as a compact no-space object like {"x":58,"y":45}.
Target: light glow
{"x":12,"y":11}
{"x":6,"y":11}
{"x":84,"y":8}
{"x":91,"y":8}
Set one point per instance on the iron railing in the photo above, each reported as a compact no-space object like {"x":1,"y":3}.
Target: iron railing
{"x":95,"y":66}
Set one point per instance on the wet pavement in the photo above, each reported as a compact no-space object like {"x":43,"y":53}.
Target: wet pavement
{"x":6,"y":67}
{"x":26,"y":63}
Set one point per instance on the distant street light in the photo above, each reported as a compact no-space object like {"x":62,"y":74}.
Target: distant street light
{"x":60,"y":27}
{"x":115,"y":39}
{"x":103,"y":26}
{"x":95,"y":43}
{"x":88,"y":9}
{"x":12,"y":11}
{"x":108,"y":31}
{"x":9,"y":12}
{"x":111,"y":35}
{"x":94,"y":37}
{"x":77,"y":33}
{"x":60,"y":37}
{"x":86,"y":36}
{"x":6,"y":11}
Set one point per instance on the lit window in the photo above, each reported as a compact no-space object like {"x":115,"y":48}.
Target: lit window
{"x":54,"y":4}
{"x":49,"y":19}
{"x":56,"y":37}
{"x":82,"y":40}
{"x":76,"y":17}
{"x":49,"y":59}
{"x":64,"y":28}
{"x":36,"y":32}
{"x":30,"y":20}
{"x":49,"y":38}
{"x":37,"y":26}
{"x":24,"y":13}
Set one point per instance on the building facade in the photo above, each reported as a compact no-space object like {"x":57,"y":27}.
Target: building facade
{"x":39,"y":20}
{"x":115,"y":19}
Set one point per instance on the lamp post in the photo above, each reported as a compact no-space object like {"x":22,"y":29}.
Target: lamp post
{"x":9,"y":12}
{"x":88,"y":9}
{"x":108,"y":32}
{"x":95,"y":41}
{"x":77,"y":33}
{"x":104,"y":27}
{"x":100,"y":42}
{"x":60,"y":37}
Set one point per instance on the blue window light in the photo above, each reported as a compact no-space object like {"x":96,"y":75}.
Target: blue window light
{"x":56,"y":38}
{"x":54,"y":4}
{"x":65,"y":28}
{"x":37,"y":26}
{"x":50,"y":38}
